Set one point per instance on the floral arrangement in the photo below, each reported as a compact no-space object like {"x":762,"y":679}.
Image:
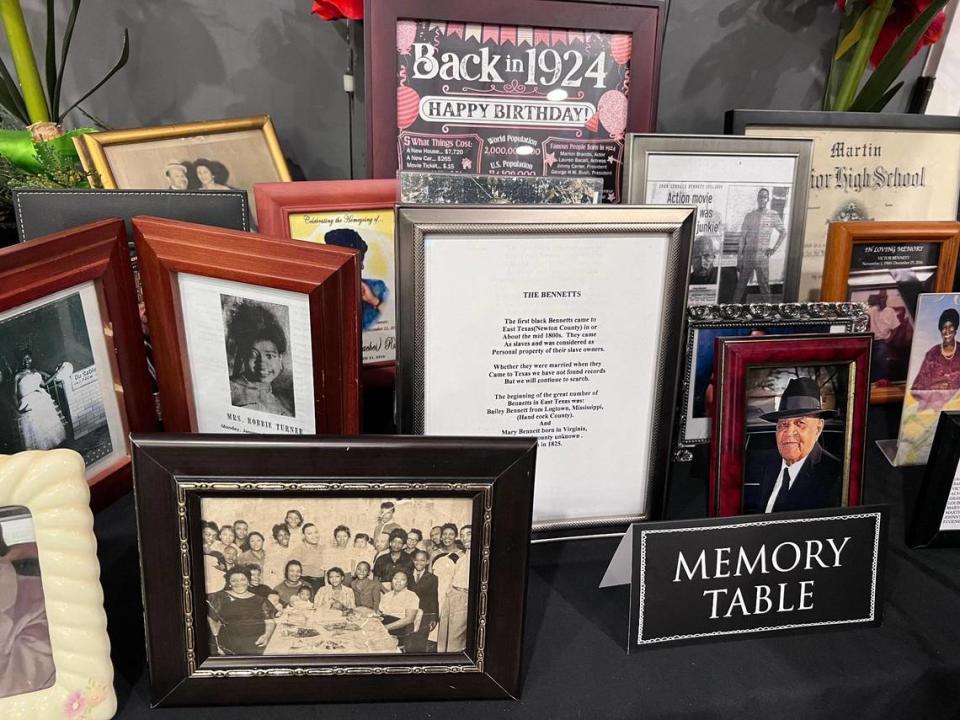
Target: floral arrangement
{"x":885,"y":34}
{"x":338,"y":9}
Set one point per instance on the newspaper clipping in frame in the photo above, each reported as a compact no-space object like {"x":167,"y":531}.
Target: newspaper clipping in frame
{"x":742,"y":234}
{"x":506,"y":100}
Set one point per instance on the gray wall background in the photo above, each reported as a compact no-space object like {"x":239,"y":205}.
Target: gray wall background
{"x":207,"y":59}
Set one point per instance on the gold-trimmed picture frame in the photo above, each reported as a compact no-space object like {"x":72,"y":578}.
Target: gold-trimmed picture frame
{"x":46,"y":501}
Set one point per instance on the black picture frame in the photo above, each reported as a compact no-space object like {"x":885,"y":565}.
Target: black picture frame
{"x":174,"y":471}
{"x":923,"y":529}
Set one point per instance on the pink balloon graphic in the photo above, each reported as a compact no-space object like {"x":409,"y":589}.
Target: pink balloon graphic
{"x":408,"y":107}
{"x":406,"y":34}
{"x":621,"y":47}
{"x":612,"y":110}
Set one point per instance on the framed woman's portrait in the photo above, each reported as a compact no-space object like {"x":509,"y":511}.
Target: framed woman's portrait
{"x":887,"y":266}
{"x":231,"y":154}
{"x":933,"y":378}
{"x":251,"y":334}
{"x":355,"y":214}
{"x":789,"y":423}
{"x":318,"y":569}
{"x":73,"y":370}
{"x":56,"y":652}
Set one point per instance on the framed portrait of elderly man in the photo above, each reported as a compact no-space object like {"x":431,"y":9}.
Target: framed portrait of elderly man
{"x":56,"y":652}
{"x":73,"y":370}
{"x":317,"y":569}
{"x":933,"y":378}
{"x":251,"y":334}
{"x":887,"y":266}
{"x":706,"y":323}
{"x":750,"y":195}
{"x":356,"y":214}
{"x":790,"y":422}
{"x":567,"y":324}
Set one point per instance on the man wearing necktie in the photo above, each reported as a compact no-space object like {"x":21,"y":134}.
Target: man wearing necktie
{"x":801,"y":474}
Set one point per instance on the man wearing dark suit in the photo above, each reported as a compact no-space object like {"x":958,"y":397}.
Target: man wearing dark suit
{"x":424,"y":583}
{"x":800,"y":474}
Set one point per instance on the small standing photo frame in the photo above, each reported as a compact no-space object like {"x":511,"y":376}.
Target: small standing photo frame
{"x":251,"y":334}
{"x":73,"y":369}
{"x":751,"y":200}
{"x":337,"y":623}
{"x":356,"y":214}
{"x":789,"y":423}
{"x":936,"y":514}
{"x":56,"y":660}
{"x":886,"y":266}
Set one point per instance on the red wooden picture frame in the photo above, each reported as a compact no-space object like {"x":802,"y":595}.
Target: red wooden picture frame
{"x":734,"y":357}
{"x":329,"y":276}
{"x":98,"y":253}
{"x":644,"y":19}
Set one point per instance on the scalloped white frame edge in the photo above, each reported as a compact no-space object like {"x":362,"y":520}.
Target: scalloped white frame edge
{"x":51,"y":485}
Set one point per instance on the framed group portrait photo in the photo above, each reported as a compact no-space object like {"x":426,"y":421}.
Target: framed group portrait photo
{"x":388,"y":569}
{"x":73,"y":369}
{"x":251,"y":334}
{"x":535,"y":88}
{"x":354,"y":214}
{"x":750,"y":195}
{"x":887,"y":266}
{"x":789,"y":424}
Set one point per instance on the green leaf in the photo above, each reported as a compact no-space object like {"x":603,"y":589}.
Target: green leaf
{"x":887,"y":97}
{"x":851,"y":38}
{"x":67,"y":37}
{"x":875,"y":89}
{"x":10,"y":96}
{"x":876,"y":15}
{"x":50,"y":67}
{"x":121,"y":61}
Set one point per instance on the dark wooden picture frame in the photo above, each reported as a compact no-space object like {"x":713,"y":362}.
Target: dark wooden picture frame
{"x":329,"y":276}
{"x":644,"y":19}
{"x":840,"y":242}
{"x":172,"y":474}
{"x":734,"y":357}
{"x":276,"y":202}
{"x":96,"y":253}
{"x":923,"y":528}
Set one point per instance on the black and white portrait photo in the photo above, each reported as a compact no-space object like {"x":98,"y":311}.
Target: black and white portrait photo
{"x":200,"y":174}
{"x":50,"y":390}
{"x":795,"y":439}
{"x":760,"y":236}
{"x":258,"y":355}
{"x":320,"y":576}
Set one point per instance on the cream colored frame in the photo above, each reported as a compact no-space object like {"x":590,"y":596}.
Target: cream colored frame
{"x":51,"y":485}
{"x":94,"y":160}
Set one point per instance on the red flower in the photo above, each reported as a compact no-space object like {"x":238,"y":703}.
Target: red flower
{"x":903,"y":14}
{"x":338,"y":9}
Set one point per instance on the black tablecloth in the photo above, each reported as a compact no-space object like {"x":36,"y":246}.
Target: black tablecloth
{"x":575,"y":664}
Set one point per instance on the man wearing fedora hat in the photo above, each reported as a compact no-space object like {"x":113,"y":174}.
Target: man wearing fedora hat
{"x":801,"y":474}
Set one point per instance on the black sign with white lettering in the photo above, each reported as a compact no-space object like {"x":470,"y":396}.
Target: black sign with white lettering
{"x":710,"y":579}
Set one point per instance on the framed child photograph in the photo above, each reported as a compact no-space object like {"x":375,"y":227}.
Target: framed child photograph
{"x":936,"y":513}
{"x":251,"y":334}
{"x":561,"y":323}
{"x":535,"y":88}
{"x":313,"y":570}
{"x":751,"y":199}
{"x":887,"y":266}
{"x":933,"y":378}
{"x":356,"y":214}
{"x":705,"y":323}
{"x":56,"y":651}
{"x":790,"y":422}
{"x":73,"y":369}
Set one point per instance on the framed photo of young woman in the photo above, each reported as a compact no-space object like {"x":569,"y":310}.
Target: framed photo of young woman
{"x":510,"y":87}
{"x":251,"y":334}
{"x":356,"y":214}
{"x":73,"y":369}
{"x":56,"y":652}
{"x":886,"y":266}
{"x":310,"y":570}
{"x":789,"y":423}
